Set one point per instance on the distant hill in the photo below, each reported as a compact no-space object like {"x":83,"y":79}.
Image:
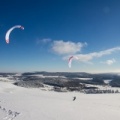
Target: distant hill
{"x":62,"y":79}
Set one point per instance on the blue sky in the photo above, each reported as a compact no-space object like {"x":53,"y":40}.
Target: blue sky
{"x":55,"y":30}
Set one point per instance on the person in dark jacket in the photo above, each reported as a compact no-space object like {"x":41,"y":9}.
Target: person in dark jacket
{"x":74,"y":98}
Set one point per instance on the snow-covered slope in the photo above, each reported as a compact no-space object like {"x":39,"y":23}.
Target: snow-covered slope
{"x":17,"y":103}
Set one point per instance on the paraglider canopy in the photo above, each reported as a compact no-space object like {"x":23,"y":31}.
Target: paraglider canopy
{"x":70,"y":60}
{"x":10,"y":30}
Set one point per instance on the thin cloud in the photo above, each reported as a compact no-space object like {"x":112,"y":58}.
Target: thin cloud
{"x":62,"y":48}
{"x":90,"y":56}
{"x":45,"y":40}
{"x":109,"y":62}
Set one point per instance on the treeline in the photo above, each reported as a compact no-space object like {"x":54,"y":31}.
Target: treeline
{"x":95,"y":91}
{"x":31,"y":78}
{"x":66,"y":74}
{"x":56,"y":82}
{"x":115,"y":82}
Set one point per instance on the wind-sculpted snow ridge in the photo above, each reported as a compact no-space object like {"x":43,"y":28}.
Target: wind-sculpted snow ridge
{"x":8,"y":114}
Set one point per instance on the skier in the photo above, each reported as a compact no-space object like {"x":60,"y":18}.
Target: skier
{"x":74,"y":98}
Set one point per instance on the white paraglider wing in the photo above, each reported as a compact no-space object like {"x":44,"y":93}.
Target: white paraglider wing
{"x":70,"y":61}
{"x":10,"y":30}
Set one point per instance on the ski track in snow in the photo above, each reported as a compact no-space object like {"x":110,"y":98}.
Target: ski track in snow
{"x":8,"y":114}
